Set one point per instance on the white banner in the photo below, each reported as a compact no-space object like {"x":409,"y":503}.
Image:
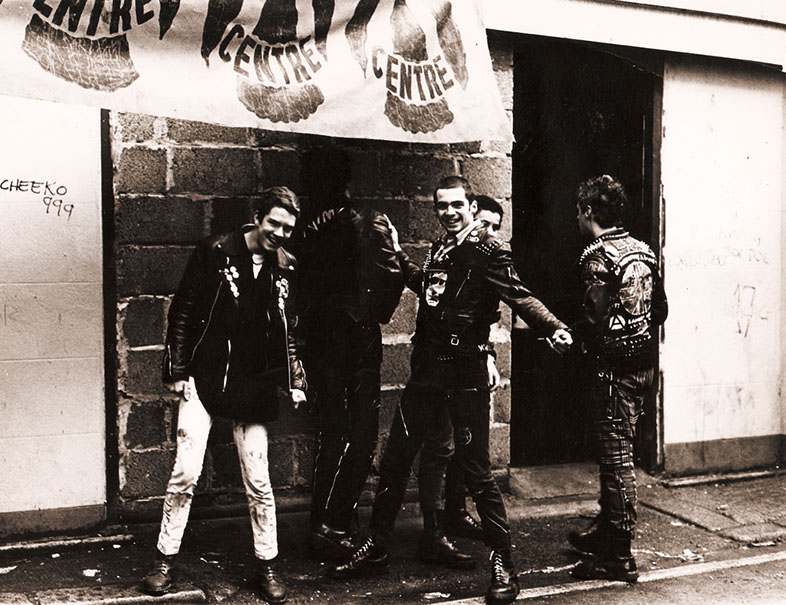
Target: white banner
{"x":406,"y":70}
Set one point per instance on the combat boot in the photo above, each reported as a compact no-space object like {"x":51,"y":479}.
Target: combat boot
{"x":504,"y":579}
{"x":458,"y":522}
{"x":271,"y":586}
{"x":593,"y":541}
{"x":437,"y":549}
{"x":370,"y":557}
{"x":159,"y":579}
{"x":615,"y":562}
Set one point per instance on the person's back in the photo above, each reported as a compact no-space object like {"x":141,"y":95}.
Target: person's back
{"x":352,"y":283}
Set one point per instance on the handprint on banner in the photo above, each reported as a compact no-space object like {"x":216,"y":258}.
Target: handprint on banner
{"x":415,"y":99}
{"x":90,"y":47}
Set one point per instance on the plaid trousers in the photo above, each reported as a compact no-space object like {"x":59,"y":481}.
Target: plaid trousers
{"x":617,"y":397}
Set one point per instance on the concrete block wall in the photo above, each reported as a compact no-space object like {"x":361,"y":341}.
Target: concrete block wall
{"x":178,"y":181}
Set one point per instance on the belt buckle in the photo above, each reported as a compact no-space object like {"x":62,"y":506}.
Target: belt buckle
{"x":454,"y":340}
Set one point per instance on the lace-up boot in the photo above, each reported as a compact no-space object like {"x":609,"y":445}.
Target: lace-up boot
{"x":370,"y":557}
{"x":594,"y":541}
{"x":159,"y":579}
{"x":458,"y":522}
{"x":434,"y":547}
{"x":615,"y":562}
{"x":271,"y":586}
{"x":504,"y":579}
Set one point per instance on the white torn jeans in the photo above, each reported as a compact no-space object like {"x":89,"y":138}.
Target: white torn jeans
{"x":193,"y":428}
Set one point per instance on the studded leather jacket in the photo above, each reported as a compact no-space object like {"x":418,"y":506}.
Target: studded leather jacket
{"x":623,"y":297}
{"x":460,"y":292}
{"x":231,"y":331}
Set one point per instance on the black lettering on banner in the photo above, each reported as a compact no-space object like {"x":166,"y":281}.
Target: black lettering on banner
{"x":120,"y":11}
{"x":122,"y":14}
{"x":236,"y":32}
{"x":241,"y":56}
{"x":431,"y":78}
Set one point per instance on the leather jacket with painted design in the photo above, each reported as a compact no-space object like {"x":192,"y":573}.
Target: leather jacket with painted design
{"x":623,"y":296}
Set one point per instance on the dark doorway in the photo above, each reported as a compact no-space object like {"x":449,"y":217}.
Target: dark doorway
{"x":579,"y":111}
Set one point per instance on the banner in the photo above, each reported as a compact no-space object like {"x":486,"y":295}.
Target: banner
{"x":406,"y":70}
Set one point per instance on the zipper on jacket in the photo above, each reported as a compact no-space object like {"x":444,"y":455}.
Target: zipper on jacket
{"x":226,"y":372}
{"x":207,"y":323}
{"x":286,"y":341}
{"x":461,"y":287}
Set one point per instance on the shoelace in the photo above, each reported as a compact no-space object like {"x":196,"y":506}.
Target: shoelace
{"x":161,"y":567}
{"x":361,"y":552}
{"x":270,"y":574}
{"x":497,"y":565}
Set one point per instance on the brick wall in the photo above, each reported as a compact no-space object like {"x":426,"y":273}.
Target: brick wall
{"x":176,"y":182}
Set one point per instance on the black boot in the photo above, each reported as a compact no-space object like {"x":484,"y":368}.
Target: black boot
{"x":504,"y":579}
{"x":436,"y":548}
{"x":615,"y":562}
{"x":458,"y":522}
{"x":159,"y":579}
{"x":593,"y":541}
{"x":330,"y":544}
{"x":271,"y":586}
{"x":370,"y":557}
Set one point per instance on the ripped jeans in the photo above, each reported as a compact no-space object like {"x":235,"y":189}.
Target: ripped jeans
{"x":193,"y":428}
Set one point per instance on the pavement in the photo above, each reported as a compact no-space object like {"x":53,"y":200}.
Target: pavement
{"x":686,"y":526}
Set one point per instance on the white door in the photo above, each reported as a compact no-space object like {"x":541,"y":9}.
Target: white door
{"x":52,"y":415}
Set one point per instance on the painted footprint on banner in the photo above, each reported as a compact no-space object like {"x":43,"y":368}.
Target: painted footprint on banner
{"x":423,"y":109}
{"x":275,"y":72}
{"x":86,"y":42}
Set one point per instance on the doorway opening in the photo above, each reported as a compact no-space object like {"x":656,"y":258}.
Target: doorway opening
{"x":580,"y":111}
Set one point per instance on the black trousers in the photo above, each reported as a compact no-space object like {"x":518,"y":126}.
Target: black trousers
{"x":441,"y":445}
{"x":617,"y":397}
{"x":344,"y":359}
{"x":426,"y":408}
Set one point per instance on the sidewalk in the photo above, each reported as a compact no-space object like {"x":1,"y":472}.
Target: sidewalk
{"x":680,"y":525}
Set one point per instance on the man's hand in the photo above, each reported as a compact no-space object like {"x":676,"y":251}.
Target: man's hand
{"x":181,"y":387}
{"x":560,"y":341}
{"x":393,"y":234}
{"x":494,"y":378}
{"x":297,"y":396}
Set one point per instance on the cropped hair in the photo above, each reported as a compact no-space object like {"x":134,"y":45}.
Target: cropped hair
{"x":455,"y":182}
{"x":272,"y":197}
{"x":485,"y":202}
{"x":606,"y":196}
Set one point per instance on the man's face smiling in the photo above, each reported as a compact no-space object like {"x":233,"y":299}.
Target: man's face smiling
{"x":491,"y":220}
{"x":273,"y":230}
{"x":454,"y":211}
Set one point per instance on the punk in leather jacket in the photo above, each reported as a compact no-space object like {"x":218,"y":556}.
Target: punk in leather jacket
{"x":459,"y":293}
{"x":232,"y":332}
{"x":623,"y":297}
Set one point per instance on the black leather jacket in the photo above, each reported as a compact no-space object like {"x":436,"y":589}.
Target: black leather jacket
{"x":207,"y":317}
{"x":478,"y":274}
{"x":623,"y":297}
{"x":348,"y":264}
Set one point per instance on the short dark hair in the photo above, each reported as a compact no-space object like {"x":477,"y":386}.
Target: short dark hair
{"x":606,"y":196}
{"x":455,"y":182}
{"x":272,"y":197}
{"x":485,"y":202}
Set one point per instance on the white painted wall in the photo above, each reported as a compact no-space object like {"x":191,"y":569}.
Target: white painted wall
{"x":52,"y":446}
{"x":722,"y":172}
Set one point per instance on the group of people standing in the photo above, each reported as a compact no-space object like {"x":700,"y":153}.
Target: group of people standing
{"x":247,"y":318}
